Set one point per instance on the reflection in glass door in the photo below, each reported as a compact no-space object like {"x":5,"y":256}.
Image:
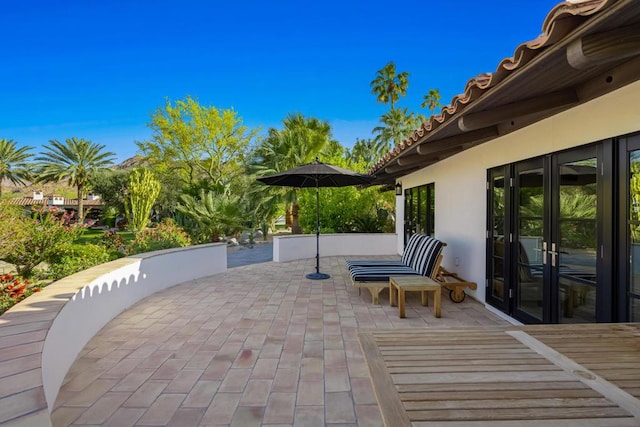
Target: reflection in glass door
{"x":633,"y":230}
{"x":496,"y":243}
{"x":419,"y":211}
{"x":555,"y":223}
{"x":573,"y":251}
{"x":529,"y":274}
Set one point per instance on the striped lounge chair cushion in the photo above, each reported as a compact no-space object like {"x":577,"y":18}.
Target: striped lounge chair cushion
{"x":421,"y":254}
{"x":379,"y":274}
{"x":407,"y":255}
{"x":426,"y":255}
{"x":372,"y":262}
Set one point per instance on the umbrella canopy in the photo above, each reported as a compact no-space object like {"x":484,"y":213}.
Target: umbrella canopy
{"x":317,"y":174}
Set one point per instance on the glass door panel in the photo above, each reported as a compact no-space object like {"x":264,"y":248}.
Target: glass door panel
{"x":422,"y":211}
{"x":634,"y":235}
{"x":529,"y":273}
{"x":575,"y":258}
{"x":497,"y":244}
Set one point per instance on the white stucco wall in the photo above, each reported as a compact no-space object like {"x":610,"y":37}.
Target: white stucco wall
{"x":302,"y":246}
{"x":460,"y":192}
{"x":100,"y":293}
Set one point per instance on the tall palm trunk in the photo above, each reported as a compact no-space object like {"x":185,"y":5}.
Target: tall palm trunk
{"x":80,"y":204}
{"x":295,"y":223}
{"x":288,"y":218}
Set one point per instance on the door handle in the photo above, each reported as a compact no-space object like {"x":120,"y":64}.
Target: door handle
{"x":544,"y":253}
{"x":553,"y":254}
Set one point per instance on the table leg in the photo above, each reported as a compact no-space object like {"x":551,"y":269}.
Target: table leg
{"x":392,"y":294}
{"x":437,"y":294}
{"x":401,"y":303}
{"x":425,"y":298}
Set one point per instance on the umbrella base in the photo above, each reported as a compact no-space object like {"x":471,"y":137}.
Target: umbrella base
{"x":317,"y":276}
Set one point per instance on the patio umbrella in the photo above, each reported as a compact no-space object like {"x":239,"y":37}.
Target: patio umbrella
{"x":317,"y":174}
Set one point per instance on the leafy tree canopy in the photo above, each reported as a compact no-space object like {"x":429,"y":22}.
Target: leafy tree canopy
{"x":13,"y":163}
{"x":198,"y":144}
{"x":72,"y":161}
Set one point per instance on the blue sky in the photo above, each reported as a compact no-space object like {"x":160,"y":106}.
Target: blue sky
{"x":98,"y":69}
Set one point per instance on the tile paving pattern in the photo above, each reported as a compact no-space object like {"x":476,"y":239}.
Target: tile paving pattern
{"x":259,"y":345}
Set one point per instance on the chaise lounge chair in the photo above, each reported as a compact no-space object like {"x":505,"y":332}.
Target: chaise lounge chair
{"x":421,"y":257}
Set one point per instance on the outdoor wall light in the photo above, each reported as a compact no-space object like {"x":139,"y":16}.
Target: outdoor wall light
{"x":398,"y":189}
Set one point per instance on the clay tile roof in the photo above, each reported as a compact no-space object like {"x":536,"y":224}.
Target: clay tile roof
{"x":562,"y":20}
{"x":85,"y":203}
{"x":25,"y":201}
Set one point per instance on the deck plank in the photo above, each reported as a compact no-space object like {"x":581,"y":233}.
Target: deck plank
{"x":533,"y":375}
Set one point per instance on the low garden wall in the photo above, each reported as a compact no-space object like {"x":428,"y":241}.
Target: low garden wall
{"x":41,"y":337}
{"x":302,"y":246}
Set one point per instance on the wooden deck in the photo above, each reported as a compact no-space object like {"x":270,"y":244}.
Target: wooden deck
{"x":552,"y":375}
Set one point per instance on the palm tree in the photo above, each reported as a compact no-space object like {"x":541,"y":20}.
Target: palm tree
{"x":397,"y":125}
{"x":388,"y":85}
{"x":368,"y":150}
{"x":213,"y":213}
{"x":13,"y":163}
{"x":432,"y":100}
{"x":299,"y":142}
{"x":74,"y":160}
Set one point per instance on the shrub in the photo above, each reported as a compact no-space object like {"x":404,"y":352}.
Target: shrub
{"x":13,"y":290}
{"x":76,"y":258}
{"x":45,"y":236}
{"x":12,"y":230}
{"x":165,"y":235}
{"x":112,"y":241}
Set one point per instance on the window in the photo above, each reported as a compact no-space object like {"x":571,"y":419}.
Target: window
{"x":419,"y":210}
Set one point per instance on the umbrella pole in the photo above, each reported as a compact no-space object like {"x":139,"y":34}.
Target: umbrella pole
{"x":317,"y":275}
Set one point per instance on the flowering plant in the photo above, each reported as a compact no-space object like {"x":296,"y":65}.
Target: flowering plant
{"x":165,"y":235}
{"x":13,"y":290}
{"x":44,"y":236}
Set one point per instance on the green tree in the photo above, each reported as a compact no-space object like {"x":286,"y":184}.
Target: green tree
{"x":396,"y":126}
{"x":214,"y":215}
{"x":12,"y":230}
{"x":389,"y":86}
{"x":367,"y":151}
{"x":143,"y":191}
{"x":13,"y":163}
{"x":202,"y":146}
{"x":299,"y":142}
{"x":348,"y":209}
{"x":431,"y":100}
{"x":74,"y":161}
{"x":112,"y":187}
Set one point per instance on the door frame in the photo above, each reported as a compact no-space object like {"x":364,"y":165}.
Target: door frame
{"x":608,"y":296}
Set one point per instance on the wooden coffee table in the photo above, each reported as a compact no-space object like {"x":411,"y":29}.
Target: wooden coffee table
{"x":402,"y":284}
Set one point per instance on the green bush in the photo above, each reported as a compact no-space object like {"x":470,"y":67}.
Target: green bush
{"x":76,"y":258}
{"x":347,"y":210}
{"x":165,"y":235}
{"x":112,"y":241}
{"x":43,"y":237}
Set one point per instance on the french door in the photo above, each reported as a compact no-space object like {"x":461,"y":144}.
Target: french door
{"x":549,"y":237}
{"x":628,"y":298}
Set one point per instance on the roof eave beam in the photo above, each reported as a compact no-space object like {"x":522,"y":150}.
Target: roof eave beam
{"x":483,"y":119}
{"x":600,"y":48}
{"x":465,"y":140}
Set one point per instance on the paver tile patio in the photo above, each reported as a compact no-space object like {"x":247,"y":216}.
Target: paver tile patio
{"x":257,"y":345}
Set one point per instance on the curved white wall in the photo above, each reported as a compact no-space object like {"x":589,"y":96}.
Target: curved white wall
{"x":58,"y":322}
{"x":302,"y":246}
{"x":113,"y":291}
